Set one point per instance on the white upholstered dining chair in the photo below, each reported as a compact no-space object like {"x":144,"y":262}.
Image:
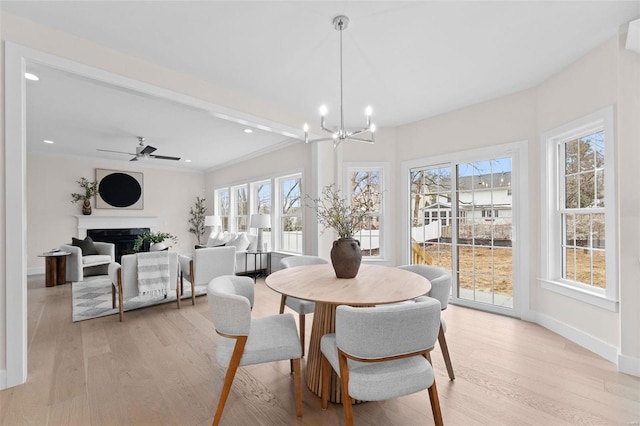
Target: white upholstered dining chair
{"x":382,"y":352}
{"x":302,"y":307}
{"x":247,"y":340}
{"x":440,"y":280}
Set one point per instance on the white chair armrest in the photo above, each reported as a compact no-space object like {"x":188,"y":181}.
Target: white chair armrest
{"x":184,"y":263}
{"x":74,"y":262}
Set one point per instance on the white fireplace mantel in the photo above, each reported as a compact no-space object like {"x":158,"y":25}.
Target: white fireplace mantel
{"x":115,"y":222}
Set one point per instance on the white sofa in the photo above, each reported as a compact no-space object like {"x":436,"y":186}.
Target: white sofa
{"x":244,"y":243}
{"x":79,"y":266}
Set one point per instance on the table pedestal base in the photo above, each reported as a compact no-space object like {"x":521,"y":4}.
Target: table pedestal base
{"x":55,"y":270}
{"x":324,"y":322}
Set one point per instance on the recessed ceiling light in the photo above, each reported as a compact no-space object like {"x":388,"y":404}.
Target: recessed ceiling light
{"x":30,"y":76}
{"x":248,"y":131}
{"x":48,"y":141}
{"x":187,"y":161}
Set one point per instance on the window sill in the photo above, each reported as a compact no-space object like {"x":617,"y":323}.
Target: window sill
{"x":586,"y":296}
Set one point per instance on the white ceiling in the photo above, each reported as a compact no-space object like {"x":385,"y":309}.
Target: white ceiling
{"x":409,"y":60}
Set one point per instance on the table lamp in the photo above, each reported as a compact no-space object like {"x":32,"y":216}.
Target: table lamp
{"x":260,"y":221}
{"x":213,"y":222}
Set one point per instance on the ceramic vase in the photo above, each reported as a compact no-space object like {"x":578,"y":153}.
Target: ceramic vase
{"x":346,"y":257}
{"x":86,"y":207}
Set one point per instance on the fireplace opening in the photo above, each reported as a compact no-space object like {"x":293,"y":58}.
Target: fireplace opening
{"x":124,"y":239}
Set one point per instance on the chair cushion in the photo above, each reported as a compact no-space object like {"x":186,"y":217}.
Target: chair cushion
{"x":303,"y":307}
{"x":96,"y":259}
{"x":272,"y":338}
{"x":86,"y":245}
{"x":378,"y":381}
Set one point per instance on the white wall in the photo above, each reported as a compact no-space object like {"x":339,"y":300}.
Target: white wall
{"x":51,"y":220}
{"x":629,"y":206}
{"x":295,"y":158}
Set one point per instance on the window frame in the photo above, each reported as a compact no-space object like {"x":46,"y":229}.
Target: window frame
{"x":234,"y":207}
{"x":553,"y":210}
{"x":382,"y":168}
{"x":278,"y":214}
{"x":217,"y":207}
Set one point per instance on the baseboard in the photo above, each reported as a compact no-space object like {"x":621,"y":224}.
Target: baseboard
{"x":629,"y":365}
{"x":595,"y":345}
{"x":35,"y":271}
{"x":3,"y":379}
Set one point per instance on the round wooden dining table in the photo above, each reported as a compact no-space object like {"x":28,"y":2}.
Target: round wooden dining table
{"x":374,"y":285}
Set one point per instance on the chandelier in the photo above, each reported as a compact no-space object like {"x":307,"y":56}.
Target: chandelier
{"x":338,"y":135}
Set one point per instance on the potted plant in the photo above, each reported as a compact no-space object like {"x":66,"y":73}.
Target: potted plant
{"x":345,"y":218}
{"x":196,"y":220}
{"x":156,"y":241}
{"x":90,"y":189}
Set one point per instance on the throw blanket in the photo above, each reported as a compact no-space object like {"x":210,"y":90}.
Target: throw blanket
{"x":153,"y":273}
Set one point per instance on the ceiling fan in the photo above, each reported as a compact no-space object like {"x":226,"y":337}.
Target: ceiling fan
{"x":143,"y":152}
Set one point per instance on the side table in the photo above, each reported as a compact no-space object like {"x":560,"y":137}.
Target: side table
{"x":55,"y":267}
{"x":258,"y":255}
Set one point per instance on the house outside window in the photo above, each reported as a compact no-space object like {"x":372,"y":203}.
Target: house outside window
{"x":290,"y":214}
{"x":581,"y":183}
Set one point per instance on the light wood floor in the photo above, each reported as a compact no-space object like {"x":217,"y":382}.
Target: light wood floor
{"x":158,"y":367}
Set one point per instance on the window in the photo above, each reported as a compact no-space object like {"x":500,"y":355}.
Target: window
{"x":261,"y":204}
{"x":222,"y":207}
{"x":582,"y":186}
{"x":460,"y":216}
{"x":241,"y":208}
{"x":365,"y":186}
{"x":291,"y":209}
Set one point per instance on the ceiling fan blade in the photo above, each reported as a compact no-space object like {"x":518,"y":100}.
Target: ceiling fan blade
{"x":117,"y":152}
{"x":164,"y":157}
{"x":147,"y":150}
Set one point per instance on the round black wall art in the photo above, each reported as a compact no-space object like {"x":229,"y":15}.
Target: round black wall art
{"x":120,"y":190}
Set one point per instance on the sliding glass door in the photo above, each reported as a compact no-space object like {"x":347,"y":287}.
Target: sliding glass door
{"x":462,"y":219}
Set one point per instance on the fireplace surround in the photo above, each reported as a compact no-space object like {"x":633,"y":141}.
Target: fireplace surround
{"x":120,"y":230}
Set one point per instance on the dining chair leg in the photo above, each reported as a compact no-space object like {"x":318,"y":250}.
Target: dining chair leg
{"x":325,"y":374}
{"x":234,"y":363}
{"x":283,"y":299}
{"x":344,"y":381}
{"x":435,"y":404}
{"x":445,"y":352}
{"x":302,"y":327}
{"x":181,"y":284}
{"x":298,"y":386}
{"x":113,"y":296}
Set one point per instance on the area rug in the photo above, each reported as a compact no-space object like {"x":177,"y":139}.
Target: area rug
{"x":91,"y":298}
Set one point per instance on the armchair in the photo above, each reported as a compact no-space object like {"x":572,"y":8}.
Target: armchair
{"x":247,"y":341}
{"x":124,"y":279}
{"x":204,"y":265}
{"x":382,"y":352}
{"x":79,"y":266}
{"x":302,"y":307}
{"x":440,"y":280}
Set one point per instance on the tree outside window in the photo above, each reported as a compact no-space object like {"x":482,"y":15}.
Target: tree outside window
{"x":291,"y":214}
